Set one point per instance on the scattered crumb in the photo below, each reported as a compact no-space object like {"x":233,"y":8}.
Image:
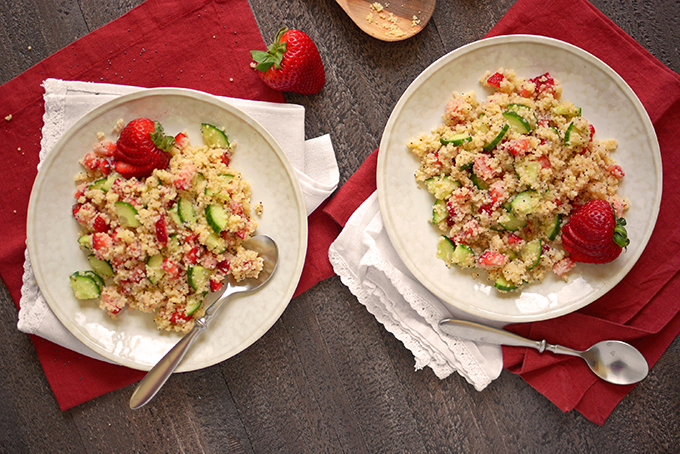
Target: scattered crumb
{"x":19,"y":149}
{"x":120,"y":124}
{"x":29,"y":48}
{"x":8,"y":117}
{"x":231,"y":79}
{"x":259,"y":208}
{"x":101,"y":136}
{"x":386,"y":20}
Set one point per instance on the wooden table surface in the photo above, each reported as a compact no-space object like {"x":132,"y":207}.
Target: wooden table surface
{"x":327,"y":377}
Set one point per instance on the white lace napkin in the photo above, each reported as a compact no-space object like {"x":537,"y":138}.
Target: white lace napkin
{"x":67,"y":101}
{"x":367,"y":263}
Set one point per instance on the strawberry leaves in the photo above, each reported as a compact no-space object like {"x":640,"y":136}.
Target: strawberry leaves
{"x":291,"y":63}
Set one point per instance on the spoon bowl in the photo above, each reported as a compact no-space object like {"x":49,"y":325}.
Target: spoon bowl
{"x":156,"y":378}
{"x":389,"y":21}
{"x":613,"y":361}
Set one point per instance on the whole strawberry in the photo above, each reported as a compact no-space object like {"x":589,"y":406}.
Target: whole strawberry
{"x":594,"y":234}
{"x":141,"y":148}
{"x":291,"y":63}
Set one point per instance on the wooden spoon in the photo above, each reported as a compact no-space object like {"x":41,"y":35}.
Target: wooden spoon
{"x":391,"y":20}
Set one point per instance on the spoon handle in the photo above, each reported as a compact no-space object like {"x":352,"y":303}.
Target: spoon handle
{"x":482,"y":333}
{"x":156,"y":378}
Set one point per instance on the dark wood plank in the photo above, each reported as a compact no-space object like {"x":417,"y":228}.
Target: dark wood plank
{"x":327,"y":377}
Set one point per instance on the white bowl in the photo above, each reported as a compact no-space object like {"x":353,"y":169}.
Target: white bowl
{"x":607,"y":101}
{"x":133,"y":340}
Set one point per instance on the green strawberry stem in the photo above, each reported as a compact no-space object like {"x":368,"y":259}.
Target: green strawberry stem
{"x":274,"y":54}
{"x":620,"y":233}
{"x":159,"y":138}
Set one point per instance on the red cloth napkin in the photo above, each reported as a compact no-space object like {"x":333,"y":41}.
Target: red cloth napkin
{"x":203,"y":45}
{"x":644,"y":308}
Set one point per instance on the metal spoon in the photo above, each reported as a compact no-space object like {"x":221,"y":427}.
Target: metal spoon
{"x":395,"y":21}
{"x":156,"y":378}
{"x":613,"y":361}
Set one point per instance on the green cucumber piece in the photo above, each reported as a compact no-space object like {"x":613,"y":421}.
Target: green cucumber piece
{"x":446,"y":249}
{"x":193,"y":303}
{"x":456,"y":140}
{"x":512,"y":223}
{"x":478,"y":182}
{"x":215,"y":243}
{"x":467,"y":165}
{"x":517,"y":122}
{"x":528,"y":171}
{"x":531,"y":252}
{"x":84,"y":287}
{"x":567,"y":110}
{"x":198,"y":277}
{"x":85,"y":242}
{"x":491,"y":145}
{"x":441,"y":186}
{"x":553,"y":228}
{"x":98,"y":184}
{"x":439,"y":212}
{"x":525,"y":202}
{"x":174,"y":214}
{"x":217,"y":217}
{"x":101,"y":267}
{"x":463,"y":256}
{"x":97,"y":278}
{"x":504,"y":285}
{"x":213,"y":136}
{"x":154,"y":269}
{"x":186,"y":211}
{"x":127,"y":215}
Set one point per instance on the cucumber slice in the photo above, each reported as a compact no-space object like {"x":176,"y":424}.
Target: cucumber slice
{"x":174,"y":214}
{"x":101,"y":267}
{"x":186,"y":211}
{"x":97,"y":184}
{"x":467,"y":165}
{"x":478,"y":182}
{"x":456,"y":140}
{"x":512,"y":223}
{"x":198,"y":277}
{"x":504,"y":285}
{"x":567,"y":134}
{"x":528,"y":171}
{"x":463,"y":256}
{"x":553,"y":228}
{"x":496,"y":140}
{"x":567,"y":110}
{"x":193,"y":303}
{"x":97,"y":278}
{"x":127,"y":215}
{"x":154,"y":270}
{"x":517,"y":122}
{"x":84,"y":287}
{"x":441,"y":186}
{"x":85,"y":242}
{"x":439,"y":212}
{"x":531,"y":253}
{"x":445,"y":249}
{"x":213,"y":136}
{"x":525,"y":202}
{"x":217,"y":217}
{"x":215,"y":243}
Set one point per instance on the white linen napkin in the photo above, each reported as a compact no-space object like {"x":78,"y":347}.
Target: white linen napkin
{"x":368,"y":264}
{"x":67,"y":101}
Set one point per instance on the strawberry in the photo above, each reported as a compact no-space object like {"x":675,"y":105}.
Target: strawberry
{"x":495,"y":80}
{"x":292,"y":63}
{"x":141,"y":148}
{"x":594,"y":234}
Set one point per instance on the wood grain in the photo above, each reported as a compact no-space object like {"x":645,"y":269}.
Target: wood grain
{"x":327,"y":377}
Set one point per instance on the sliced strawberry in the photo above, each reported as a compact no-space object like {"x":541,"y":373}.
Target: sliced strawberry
{"x":594,"y":234}
{"x":100,"y":225}
{"x":161,"y":231}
